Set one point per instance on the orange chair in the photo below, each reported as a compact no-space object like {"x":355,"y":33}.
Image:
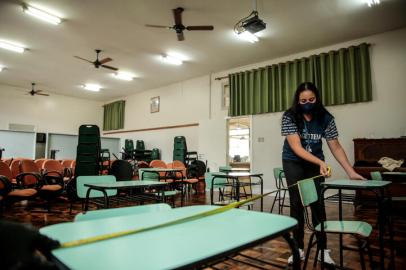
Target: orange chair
{"x":15,"y":193}
{"x":15,"y":168}
{"x":183,"y":176}
{"x":40,"y":163}
{"x":8,"y":161}
{"x":54,"y":168}
{"x":49,"y":187}
{"x":156,"y":163}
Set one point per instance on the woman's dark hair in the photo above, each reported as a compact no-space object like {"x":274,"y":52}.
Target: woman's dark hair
{"x":319,"y":111}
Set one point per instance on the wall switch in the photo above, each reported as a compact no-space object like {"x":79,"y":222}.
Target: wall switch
{"x":261,"y":139}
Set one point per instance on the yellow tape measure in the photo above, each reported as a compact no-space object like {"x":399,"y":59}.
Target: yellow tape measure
{"x":219,"y":210}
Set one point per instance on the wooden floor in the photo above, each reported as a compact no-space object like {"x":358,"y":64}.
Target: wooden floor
{"x":275,"y":251}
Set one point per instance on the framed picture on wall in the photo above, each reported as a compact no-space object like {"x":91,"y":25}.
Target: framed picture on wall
{"x":154,"y":104}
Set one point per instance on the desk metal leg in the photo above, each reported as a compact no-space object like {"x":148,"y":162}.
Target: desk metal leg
{"x":262,"y":193}
{"x":106,"y":199}
{"x":87,"y":199}
{"x":391,"y":235}
{"x":340,"y":217}
{"x":295,"y":251}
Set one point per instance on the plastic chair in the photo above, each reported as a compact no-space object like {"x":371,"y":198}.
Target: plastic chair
{"x":17,"y":193}
{"x":122,"y":211}
{"x":359,"y":229}
{"x":48,"y":186}
{"x":183,"y":177}
{"x":53,"y":167}
{"x":280,"y":195}
{"x":40,"y":163}
{"x":162,"y":165}
{"x":81,"y":190}
{"x":376,"y":176}
{"x":152,"y":176}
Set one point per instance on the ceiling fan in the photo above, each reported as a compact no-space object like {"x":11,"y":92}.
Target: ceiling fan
{"x":99,"y":63}
{"x":36,"y":92}
{"x":179,"y":27}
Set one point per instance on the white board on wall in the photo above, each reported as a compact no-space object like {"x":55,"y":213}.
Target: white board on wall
{"x":113,"y":144}
{"x":17,"y":144}
{"x":65,"y":143}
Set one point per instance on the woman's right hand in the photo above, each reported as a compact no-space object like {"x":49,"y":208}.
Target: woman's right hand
{"x":324,"y":169}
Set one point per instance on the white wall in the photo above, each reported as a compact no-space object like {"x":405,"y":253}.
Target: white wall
{"x":181,"y":103}
{"x":56,"y":113}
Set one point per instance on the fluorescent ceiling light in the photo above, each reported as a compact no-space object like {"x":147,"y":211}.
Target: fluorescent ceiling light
{"x":42,"y":15}
{"x":11,"y":46}
{"x":1,"y":68}
{"x":123,"y":76}
{"x":171,"y":60}
{"x":371,"y":3}
{"x":92,"y":87}
{"x":247,"y":36}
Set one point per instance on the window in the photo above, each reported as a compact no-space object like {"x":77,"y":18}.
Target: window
{"x":239,"y":141}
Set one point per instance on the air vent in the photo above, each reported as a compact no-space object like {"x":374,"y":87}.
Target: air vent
{"x":21,"y":127}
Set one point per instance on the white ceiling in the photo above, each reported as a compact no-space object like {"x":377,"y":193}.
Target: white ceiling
{"x":118,"y":28}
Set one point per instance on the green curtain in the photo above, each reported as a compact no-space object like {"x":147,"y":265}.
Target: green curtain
{"x":342,"y":76}
{"x":114,"y":115}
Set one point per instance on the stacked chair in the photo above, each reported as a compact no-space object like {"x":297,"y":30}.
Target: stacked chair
{"x":179,"y":148}
{"x":140,"y":154}
{"x":180,"y":151}
{"x":128,"y":149}
{"x":88,"y":161}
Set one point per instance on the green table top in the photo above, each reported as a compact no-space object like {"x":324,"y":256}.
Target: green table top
{"x":169,"y":247}
{"x":395,"y":173}
{"x":161,"y":169}
{"x":236,"y":174}
{"x":355,"y":184}
{"x":234,"y":169}
{"x":126,"y":184}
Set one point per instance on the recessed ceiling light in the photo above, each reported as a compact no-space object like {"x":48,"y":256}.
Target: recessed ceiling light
{"x":171,"y":60}
{"x":123,"y":76}
{"x":371,"y":3}
{"x":42,"y":15}
{"x":92,"y":87}
{"x":247,"y":36}
{"x":11,"y":46}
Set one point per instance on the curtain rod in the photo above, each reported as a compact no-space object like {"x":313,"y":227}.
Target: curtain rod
{"x":221,"y":78}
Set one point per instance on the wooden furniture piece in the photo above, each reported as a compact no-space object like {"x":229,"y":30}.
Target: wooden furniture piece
{"x":367,"y":152}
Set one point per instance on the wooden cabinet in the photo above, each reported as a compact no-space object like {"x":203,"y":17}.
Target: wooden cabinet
{"x":367,"y":152}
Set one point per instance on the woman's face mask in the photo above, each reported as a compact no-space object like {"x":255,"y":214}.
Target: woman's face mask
{"x":307,"y":101}
{"x":307,"y":107}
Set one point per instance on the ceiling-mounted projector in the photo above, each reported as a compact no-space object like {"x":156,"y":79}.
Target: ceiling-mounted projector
{"x":253,"y":24}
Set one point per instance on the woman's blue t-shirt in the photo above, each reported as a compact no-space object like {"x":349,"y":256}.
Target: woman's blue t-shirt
{"x":310,"y":137}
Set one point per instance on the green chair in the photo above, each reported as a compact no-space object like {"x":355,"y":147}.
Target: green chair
{"x":376,"y":176}
{"x":359,"y":229}
{"x":280,"y":195}
{"x":81,"y":190}
{"x":154,"y":176}
{"x":123,"y":211}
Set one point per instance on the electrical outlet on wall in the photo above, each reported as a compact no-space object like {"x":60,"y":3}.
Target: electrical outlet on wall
{"x":261,"y":139}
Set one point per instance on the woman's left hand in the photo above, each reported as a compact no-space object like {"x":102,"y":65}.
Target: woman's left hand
{"x":356,"y":176}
